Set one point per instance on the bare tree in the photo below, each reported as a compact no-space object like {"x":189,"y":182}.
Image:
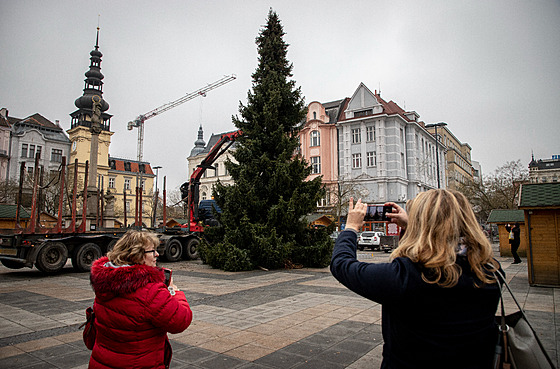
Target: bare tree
{"x":499,"y":190}
{"x":340,"y":195}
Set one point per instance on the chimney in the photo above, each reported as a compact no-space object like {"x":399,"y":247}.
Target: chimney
{"x":57,"y":122}
{"x":4,"y":113}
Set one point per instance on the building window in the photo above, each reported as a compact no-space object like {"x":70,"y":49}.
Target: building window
{"x":370,"y":133}
{"x":127,"y":206}
{"x":127,"y":183}
{"x":142,"y":184}
{"x":56,"y":155}
{"x":217,"y":169}
{"x":315,"y":138}
{"x":31,"y":151}
{"x":363,"y":113}
{"x":371,"y":159}
{"x":30,"y":174}
{"x":315,"y":164}
{"x":111,"y":182}
{"x":203,"y":196}
{"x":314,"y":115}
{"x":356,"y":135}
{"x":24,"y":150}
{"x":356,"y":161}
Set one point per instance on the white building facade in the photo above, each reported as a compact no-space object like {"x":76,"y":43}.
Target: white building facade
{"x":386,"y":150}
{"x":210,"y":176}
{"x":37,"y":135}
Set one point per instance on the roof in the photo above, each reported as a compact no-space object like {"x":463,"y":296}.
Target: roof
{"x":8,"y":211}
{"x":119,"y":165}
{"x":47,"y":128}
{"x":213,"y":141}
{"x":545,"y":164}
{"x":506,"y":216}
{"x":536,"y":195}
{"x":389,"y":108}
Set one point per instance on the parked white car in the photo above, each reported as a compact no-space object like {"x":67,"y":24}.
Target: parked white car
{"x":369,"y":239}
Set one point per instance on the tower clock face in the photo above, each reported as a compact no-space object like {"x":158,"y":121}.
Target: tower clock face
{"x":74,"y":144}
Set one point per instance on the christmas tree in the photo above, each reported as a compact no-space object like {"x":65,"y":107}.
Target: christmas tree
{"x":263,"y":213}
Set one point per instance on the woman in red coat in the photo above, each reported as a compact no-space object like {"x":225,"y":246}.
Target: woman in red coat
{"x":134,"y":309}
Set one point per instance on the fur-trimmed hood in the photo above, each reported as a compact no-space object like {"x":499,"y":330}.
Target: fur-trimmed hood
{"x":110,"y":281}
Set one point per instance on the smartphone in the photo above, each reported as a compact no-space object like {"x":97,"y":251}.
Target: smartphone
{"x":167,"y":273}
{"x":378,"y":213}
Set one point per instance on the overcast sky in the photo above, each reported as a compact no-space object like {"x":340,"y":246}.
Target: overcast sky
{"x":489,"y":69}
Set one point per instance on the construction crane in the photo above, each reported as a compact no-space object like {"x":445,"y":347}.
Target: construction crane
{"x":139,"y":123}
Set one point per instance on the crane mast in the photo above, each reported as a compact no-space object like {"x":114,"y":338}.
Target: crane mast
{"x":138,"y":122}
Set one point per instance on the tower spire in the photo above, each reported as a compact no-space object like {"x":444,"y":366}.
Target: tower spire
{"x":93,"y":89}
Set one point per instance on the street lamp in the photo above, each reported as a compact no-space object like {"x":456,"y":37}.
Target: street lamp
{"x":154,"y":212}
{"x":436,"y":125}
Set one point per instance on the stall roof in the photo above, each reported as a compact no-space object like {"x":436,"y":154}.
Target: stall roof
{"x":536,"y":195}
{"x":506,"y":216}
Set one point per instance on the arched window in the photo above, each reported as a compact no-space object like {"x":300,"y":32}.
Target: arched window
{"x":315,"y":138}
{"x":314,"y":115}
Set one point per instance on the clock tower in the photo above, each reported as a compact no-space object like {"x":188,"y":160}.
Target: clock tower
{"x":89,"y":133}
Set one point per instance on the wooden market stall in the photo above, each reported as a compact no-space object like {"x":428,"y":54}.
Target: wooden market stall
{"x":503,"y":217}
{"x":541,"y":205}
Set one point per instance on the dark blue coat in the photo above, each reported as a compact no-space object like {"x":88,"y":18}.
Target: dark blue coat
{"x":424,"y":325}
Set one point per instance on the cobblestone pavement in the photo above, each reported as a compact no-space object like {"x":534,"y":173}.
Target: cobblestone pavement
{"x":279,"y":319}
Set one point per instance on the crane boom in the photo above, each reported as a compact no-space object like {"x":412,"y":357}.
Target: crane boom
{"x":139,"y":121}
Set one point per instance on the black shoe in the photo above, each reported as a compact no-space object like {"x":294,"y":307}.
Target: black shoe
{"x":517,"y":262}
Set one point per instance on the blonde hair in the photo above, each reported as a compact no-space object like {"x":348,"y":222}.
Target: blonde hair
{"x":438,"y":220}
{"x":131,"y":247}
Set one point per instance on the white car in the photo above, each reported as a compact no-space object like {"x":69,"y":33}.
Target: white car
{"x":370,"y":239}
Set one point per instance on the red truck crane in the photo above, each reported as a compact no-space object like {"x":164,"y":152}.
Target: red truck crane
{"x":189,"y":190}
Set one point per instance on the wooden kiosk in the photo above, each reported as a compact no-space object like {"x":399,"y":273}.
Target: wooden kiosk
{"x":541,"y":205}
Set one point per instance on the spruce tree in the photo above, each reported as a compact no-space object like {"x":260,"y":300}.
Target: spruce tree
{"x":263,"y":212}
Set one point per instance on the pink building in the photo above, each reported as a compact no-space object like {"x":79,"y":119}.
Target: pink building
{"x":318,"y":144}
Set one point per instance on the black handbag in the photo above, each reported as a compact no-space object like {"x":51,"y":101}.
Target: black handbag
{"x":518,"y":345}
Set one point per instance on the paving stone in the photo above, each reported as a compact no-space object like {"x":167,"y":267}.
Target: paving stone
{"x":221,"y":362}
{"x":192,"y":354}
{"x":278,"y":319}
{"x":281,"y":359}
{"x":19,"y":361}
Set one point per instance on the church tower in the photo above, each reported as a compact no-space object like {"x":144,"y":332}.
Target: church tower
{"x":89,"y":133}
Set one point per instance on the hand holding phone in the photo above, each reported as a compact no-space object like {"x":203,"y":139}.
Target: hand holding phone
{"x":378,"y":213}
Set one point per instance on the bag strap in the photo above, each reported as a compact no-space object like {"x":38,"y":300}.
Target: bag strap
{"x":504,"y":327}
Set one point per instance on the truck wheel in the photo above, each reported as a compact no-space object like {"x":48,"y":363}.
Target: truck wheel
{"x":52,"y":257}
{"x":191,"y":249}
{"x":173,"y":250}
{"x":84,"y":256}
{"x":11,"y":264}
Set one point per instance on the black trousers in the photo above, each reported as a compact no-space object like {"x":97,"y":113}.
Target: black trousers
{"x":514,"y":247}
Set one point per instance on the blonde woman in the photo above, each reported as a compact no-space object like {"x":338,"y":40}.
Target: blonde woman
{"x":134,"y":308}
{"x":438,"y":301}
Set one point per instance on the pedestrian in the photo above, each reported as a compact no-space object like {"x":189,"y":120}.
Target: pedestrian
{"x":438,"y":305}
{"x":514,"y":241}
{"x":134,"y":309}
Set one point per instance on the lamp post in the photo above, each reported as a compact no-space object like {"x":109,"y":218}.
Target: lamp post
{"x":436,"y":125}
{"x":154,"y":212}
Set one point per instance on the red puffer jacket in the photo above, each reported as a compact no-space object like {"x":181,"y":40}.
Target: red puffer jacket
{"x":133,"y":313}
